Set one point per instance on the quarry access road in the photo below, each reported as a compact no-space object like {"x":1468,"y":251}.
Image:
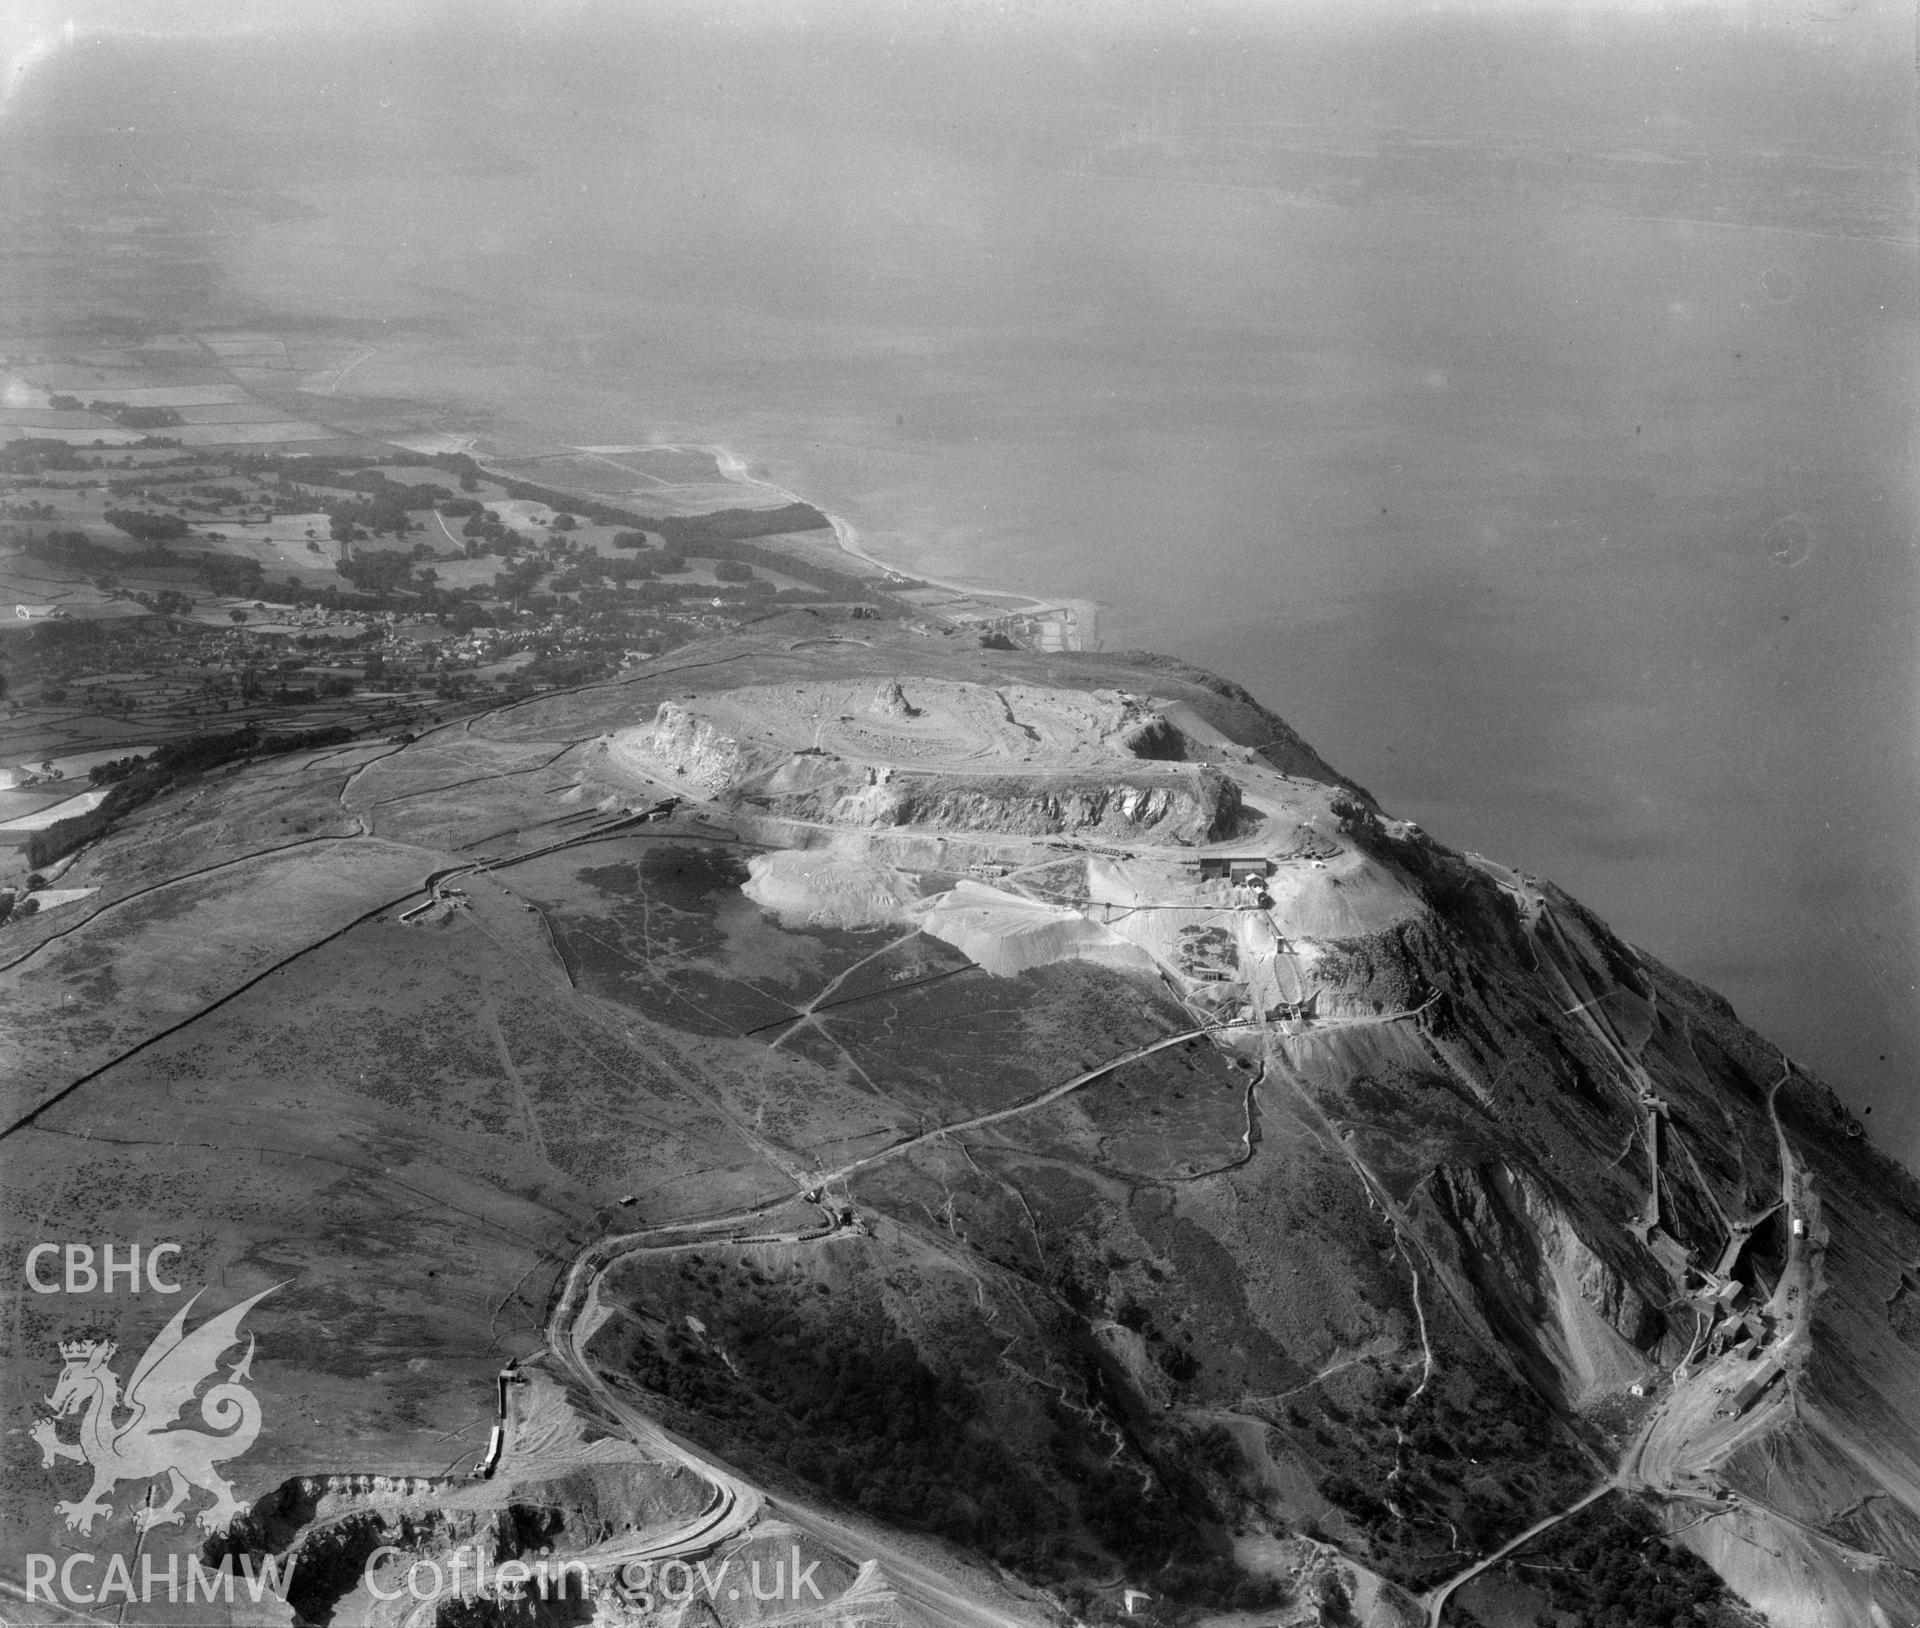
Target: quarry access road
{"x":1689,"y":1431}
{"x":1792,"y":1294}
{"x":1051,"y":1095}
{"x":1671,"y":1435}
{"x":736,"y":1505}
{"x":1686,"y":1431}
{"x":1565,"y":962}
{"x":1681,"y":1432}
{"x":1436,"y":1601}
{"x":1055,"y":1093}
{"x":1689,"y":1428}
{"x":577,"y":1315}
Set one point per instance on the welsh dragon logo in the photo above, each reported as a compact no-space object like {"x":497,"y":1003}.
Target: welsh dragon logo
{"x":130,"y":1438}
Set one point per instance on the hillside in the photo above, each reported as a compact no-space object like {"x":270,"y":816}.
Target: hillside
{"x":1001,"y":1133}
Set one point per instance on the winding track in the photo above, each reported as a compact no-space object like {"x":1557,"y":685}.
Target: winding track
{"x":735,"y":1505}
{"x":1672,"y":1451}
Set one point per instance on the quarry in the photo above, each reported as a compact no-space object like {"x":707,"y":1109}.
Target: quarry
{"x":1009,"y":1137}
{"x":1097,"y":826}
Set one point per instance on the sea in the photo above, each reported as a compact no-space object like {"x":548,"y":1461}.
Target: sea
{"x":1541,"y":449}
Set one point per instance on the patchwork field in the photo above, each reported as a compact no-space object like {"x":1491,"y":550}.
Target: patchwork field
{"x":212,"y":384}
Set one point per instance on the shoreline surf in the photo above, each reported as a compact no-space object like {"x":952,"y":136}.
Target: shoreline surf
{"x":1080,"y":615}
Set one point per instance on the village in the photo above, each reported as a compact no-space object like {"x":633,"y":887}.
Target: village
{"x":158,"y":592}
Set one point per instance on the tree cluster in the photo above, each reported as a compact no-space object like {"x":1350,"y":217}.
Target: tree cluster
{"x":173,"y":763}
{"x":378,"y":571}
{"x":135,"y":418}
{"x":1613,"y":1567}
{"x":234,"y":575}
{"x":864,"y":1415}
{"x":147,"y":527}
{"x":75,"y":548}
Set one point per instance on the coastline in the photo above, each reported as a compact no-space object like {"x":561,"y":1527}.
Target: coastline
{"x":1076,"y":620}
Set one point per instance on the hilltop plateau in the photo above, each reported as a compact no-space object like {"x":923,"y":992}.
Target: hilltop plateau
{"x":1013,"y":1135}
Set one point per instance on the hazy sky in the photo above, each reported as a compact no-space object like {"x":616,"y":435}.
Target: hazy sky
{"x":30,"y":29}
{"x":1515,"y":64}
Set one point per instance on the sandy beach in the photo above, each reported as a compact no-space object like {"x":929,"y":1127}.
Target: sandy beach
{"x":1078,"y":617}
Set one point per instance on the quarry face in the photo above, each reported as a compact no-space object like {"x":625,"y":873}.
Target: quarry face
{"x":1190,"y":858}
{"x":990,"y":1134}
{"x":914,"y":721}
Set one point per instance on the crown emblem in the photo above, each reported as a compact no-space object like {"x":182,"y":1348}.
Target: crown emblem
{"x":179,"y":1370}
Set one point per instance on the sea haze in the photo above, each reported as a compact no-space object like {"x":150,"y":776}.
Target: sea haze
{"x":1521,"y":403}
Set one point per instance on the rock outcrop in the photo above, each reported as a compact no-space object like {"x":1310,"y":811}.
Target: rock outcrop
{"x":1200,"y":806}
{"x":1541,"y":1285}
{"x":690,"y":751}
{"x":892,"y":701}
{"x":685,"y":747}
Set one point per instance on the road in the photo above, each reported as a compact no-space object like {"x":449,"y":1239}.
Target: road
{"x":1674,"y":1453}
{"x":1436,"y":1602}
{"x":735,"y":1505}
{"x":1793,"y":1293}
{"x":1052,"y":1095}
